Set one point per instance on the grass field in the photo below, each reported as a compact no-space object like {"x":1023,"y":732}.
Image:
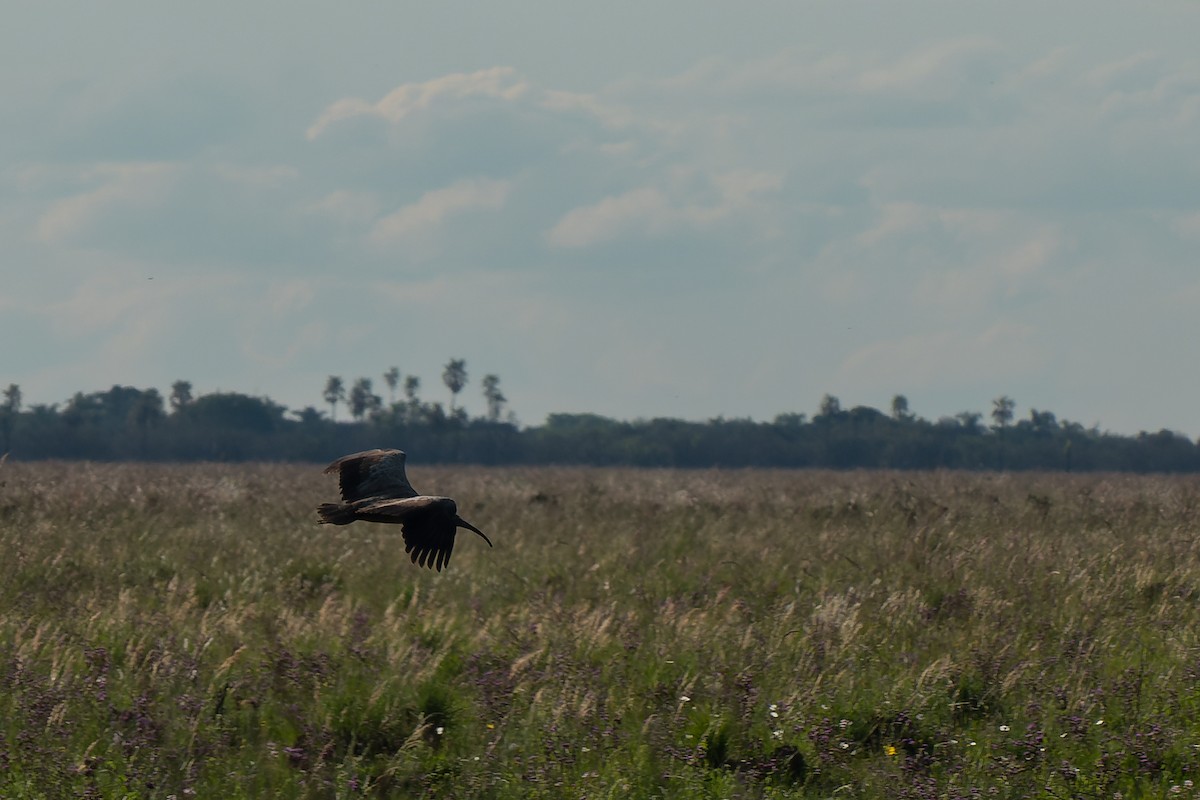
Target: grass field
{"x":189,"y":631}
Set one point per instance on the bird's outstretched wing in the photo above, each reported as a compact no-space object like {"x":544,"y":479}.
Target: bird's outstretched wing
{"x":428,"y":526}
{"x":372,"y":473}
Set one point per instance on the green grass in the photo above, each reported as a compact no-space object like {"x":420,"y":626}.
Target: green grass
{"x":189,"y":631}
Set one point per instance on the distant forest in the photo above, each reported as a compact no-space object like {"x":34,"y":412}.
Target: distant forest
{"x":126,"y":423}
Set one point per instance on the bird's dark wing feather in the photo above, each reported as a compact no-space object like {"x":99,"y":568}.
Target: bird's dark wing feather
{"x":372,"y":473}
{"x":428,"y":526}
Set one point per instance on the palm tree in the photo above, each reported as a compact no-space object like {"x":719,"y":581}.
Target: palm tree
{"x":1002,"y":411}
{"x":412,"y":385}
{"x":455,"y":378}
{"x":362,"y":400}
{"x":392,"y":379}
{"x":181,"y":395}
{"x":335,"y":392}
{"x":494,"y":397}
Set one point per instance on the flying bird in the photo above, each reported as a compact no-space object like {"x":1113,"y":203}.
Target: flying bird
{"x":375,"y":489}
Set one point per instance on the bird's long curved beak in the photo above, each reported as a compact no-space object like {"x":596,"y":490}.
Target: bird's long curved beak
{"x":462,"y":523}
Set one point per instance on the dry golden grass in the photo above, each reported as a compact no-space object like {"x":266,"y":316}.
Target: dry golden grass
{"x":176,"y":629}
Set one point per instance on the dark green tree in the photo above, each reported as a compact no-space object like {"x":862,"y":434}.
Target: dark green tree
{"x":455,"y":378}
{"x":969,"y":420}
{"x":82,"y":410}
{"x":1002,"y":411}
{"x":231,"y":411}
{"x":494,"y":397}
{"x":830,"y":407}
{"x":181,"y":395}
{"x":412,"y":387}
{"x":335,"y":392}
{"x":362,"y":400}
{"x":8,"y":413}
{"x":146,"y":412}
{"x":118,"y":404}
{"x":411,"y":410}
{"x":392,"y":379}
{"x":308,"y":416}
{"x":1042,"y":422}
{"x":900,"y":411}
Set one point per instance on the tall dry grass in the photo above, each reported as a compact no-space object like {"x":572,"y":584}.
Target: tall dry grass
{"x":190,"y":631}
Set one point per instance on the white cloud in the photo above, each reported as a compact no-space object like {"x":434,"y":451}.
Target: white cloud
{"x":955,"y":262}
{"x":648,"y":211}
{"x":290,"y":296}
{"x":433,"y":209}
{"x":837,"y":84}
{"x":123,"y":295}
{"x":347,"y":206}
{"x":943,"y":68}
{"x":985,"y":279}
{"x":1137,"y":71}
{"x":122,"y":186}
{"x":268,"y":176}
{"x":994,"y":355}
{"x":644,"y":208}
{"x":895,"y":219}
{"x":1187,"y":225}
{"x":935,"y":196}
{"x":496,"y":82}
{"x":610,"y":114}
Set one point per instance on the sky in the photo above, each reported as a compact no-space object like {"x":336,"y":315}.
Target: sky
{"x":633,"y":209}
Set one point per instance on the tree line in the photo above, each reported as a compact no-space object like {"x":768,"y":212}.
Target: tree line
{"x":127,"y":423}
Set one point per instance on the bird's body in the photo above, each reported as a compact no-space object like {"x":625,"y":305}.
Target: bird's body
{"x":375,"y":488}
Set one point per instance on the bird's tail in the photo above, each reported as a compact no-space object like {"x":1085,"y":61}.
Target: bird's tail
{"x":336,"y":513}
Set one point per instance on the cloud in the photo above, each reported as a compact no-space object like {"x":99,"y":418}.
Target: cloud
{"x":425,"y":216}
{"x":940,"y":359}
{"x":181,"y":213}
{"x":123,"y":187}
{"x":104,"y":321}
{"x":409,"y":98}
{"x":552,"y":146}
{"x":949,"y":82}
{"x":1187,"y":225}
{"x":944,"y":69}
{"x":928,"y":206}
{"x":786,"y":149}
{"x":987,"y":283}
{"x":152,"y":116}
{"x":643,"y":208}
{"x":348,"y":207}
{"x":647,"y":211}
